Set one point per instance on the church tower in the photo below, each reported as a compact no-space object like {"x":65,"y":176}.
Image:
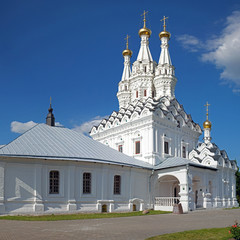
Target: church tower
{"x":50,"y":119}
{"x":150,"y":125}
{"x":140,"y":80}
{"x":165,"y":80}
{"x":207,"y":128}
{"x":123,"y":86}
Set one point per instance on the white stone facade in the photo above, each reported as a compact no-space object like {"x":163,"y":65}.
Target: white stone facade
{"x":53,"y":169}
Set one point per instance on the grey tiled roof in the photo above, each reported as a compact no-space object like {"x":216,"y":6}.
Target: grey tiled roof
{"x":59,"y":143}
{"x":178,"y":161}
{"x":43,"y":141}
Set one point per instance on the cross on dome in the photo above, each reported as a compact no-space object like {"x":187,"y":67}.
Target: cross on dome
{"x":164,"y":22}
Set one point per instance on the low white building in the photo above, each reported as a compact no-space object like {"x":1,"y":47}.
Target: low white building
{"x":148,"y":155}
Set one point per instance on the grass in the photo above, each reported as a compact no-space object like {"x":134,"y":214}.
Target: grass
{"x":59,"y":217}
{"x":231,"y":208}
{"x":203,"y":234}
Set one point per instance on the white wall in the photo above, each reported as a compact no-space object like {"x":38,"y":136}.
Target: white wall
{"x":26,"y":186}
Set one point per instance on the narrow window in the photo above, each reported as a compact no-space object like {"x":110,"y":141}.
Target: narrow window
{"x":54,"y":182}
{"x":137,"y":147}
{"x":87,"y":183}
{"x":145,"y":93}
{"x":120,"y":148}
{"x":178,"y":124}
{"x":184,"y":152}
{"x":166,"y":148}
{"x":125,"y":87}
{"x":117,"y":184}
{"x":145,"y":69}
{"x":153,"y":93}
{"x":136,"y":94}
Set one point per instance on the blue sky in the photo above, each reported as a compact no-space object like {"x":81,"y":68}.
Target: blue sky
{"x":72,"y":51}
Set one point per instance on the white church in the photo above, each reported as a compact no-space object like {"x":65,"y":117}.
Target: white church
{"x":145,"y":155}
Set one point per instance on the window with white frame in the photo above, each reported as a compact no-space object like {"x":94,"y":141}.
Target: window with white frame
{"x":166,"y":147}
{"x":120,"y":148}
{"x":117,"y":184}
{"x":54,"y":182}
{"x":87,"y":182}
{"x":137,"y":147}
{"x":184,"y":152}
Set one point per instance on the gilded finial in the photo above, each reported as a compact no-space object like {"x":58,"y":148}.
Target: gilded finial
{"x":207,"y":105}
{"x":144,"y":30}
{"x":164,"y":23}
{"x":127,"y":41}
{"x":127,"y":52}
{"x":144,"y":18}
{"x":164,"y":33}
{"x":207,"y":123}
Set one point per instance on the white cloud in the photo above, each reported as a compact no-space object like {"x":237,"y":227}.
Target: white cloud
{"x":58,"y":124}
{"x":87,"y":126}
{"x":190,"y":42}
{"x":19,"y":127}
{"x":223,"y":50}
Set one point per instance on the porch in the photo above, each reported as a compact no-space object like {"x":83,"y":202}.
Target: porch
{"x":165,"y":203}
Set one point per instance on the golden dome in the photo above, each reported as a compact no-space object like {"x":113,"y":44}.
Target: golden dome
{"x":207,"y":124}
{"x":127,"y":52}
{"x":164,"y":34}
{"x":144,"y":31}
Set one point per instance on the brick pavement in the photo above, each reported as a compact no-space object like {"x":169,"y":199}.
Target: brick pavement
{"x":117,"y":228}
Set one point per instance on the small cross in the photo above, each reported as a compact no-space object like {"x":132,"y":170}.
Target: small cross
{"x":50,"y":101}
{"x":207,"y":105}
{"x":144,"y":18}
{"x":127,"y":41}
{"x":164,"y":22}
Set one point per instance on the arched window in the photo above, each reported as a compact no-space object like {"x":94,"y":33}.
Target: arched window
{"x":145,"y":93}
{"x":117,"y":184}
{"x":54,"y":182}
{"x":136,"y":94}
{"x":87,"y":182}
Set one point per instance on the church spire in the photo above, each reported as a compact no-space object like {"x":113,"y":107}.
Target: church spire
{"x":144,"y":33}
{"x":207,"y":127}
{"x":50,"y":119}
{"x":165,"y":80}
{"x":164,"y":37}
{"x":127,"y":53}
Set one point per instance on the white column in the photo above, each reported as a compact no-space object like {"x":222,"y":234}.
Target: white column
{"x":2,"y":182}
{"x":72,"y":206}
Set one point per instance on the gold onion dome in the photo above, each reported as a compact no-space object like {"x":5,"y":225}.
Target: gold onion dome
{"x":127,"y":52}
{"x":207,"y":124}
{"x":144,"y":30}
{"x":164,"y":33}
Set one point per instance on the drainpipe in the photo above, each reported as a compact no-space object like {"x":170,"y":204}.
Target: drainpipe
{"x":150,"y":188}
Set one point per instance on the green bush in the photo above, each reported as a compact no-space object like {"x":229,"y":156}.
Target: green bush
{"x":235,"y":231}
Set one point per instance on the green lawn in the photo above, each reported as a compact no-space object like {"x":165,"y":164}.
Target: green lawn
{"x":203,"y":234}
{"x":58,"y":217}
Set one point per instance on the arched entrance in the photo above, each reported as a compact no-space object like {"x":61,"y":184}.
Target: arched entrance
{"x":197,"y":191}
{"x":166,"y":193}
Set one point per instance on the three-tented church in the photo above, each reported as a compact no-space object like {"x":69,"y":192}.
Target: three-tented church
{"x":145,"y":155}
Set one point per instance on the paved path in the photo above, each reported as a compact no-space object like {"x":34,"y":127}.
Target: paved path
{"x":117,"y":228}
